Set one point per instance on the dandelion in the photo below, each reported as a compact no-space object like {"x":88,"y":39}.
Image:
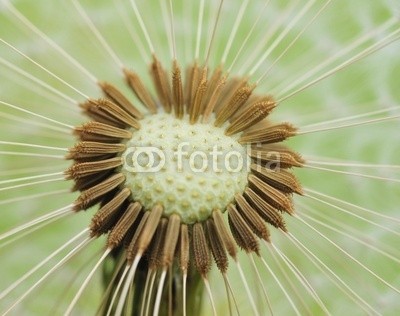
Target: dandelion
{"x":199,"y":157}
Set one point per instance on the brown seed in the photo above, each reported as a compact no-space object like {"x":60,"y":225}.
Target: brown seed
{"x":157,"y":244}
{"x":90,"y":149}
{"x":251,"y":217}
{"x":184,"y":248}
{"x":255,"y":113}
{"x":106,"y":216}
{"x":216,"y":246}
{"x":241,"y":231}
{"x":281,"y":179}
{"x":171,"y":239}
{"x":276,"y":156}
{"x":266,"y":211}
{"x":201,"y":253}
{"x":97,"y":128}
{"x":118,"y":98}
{"x":90,"y":196}
{"x":125,"y":223}
{"x":271,"y":134}
{"x":136,"y":84}
{"x":161,"y":84}
{"x":132,"y":238}
{"x":195,"y":107}
{"x":177,"y":90}
{"x":274,"y":197}
{"x":224,"y":234}
{"x":79,"y":170}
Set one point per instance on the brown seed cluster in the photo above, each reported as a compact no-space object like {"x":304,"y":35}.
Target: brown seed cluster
{"x":160,"y":241}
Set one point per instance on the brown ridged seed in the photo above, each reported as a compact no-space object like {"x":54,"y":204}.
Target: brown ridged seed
{"x":125,"y":223}
{"x":277,"y":156}
{"x":195,"y":107}
{"x":272,"y":134}
{"x":212,"y":102}
{"x":89,"y":196}
{"x":157,"y":245}
{"x":136,"y":84}
{"x":105,"y":217}
{"x":184,"y":245}
{"x":217,"y":246}
{"x":251,"y":217}
{"x":202,"y":260}
{"x":171,"y":240}
{"x":132,"y":245}
{"x":108,"y":108}
{"x":177,"y":89}
{"x":191,"y":83}
{"x":235,"y":102}
{"x":241,"y":231}
{"x":274,"y":197}
{"x":224,"y":234}
{"x":281,"y":179}
{"x":231,"y":86}
{"x":212,"y":85}
{"x":150,"y":228}
{"x":79,"y":170}
{"x":161,"y":83}
{"x":101,"y":129}
{"x":266,"y":211}
{"x":118,"y":98}
{"x":254,"y":114}
{"x":84,"y":183}
{"x":90,"y":149}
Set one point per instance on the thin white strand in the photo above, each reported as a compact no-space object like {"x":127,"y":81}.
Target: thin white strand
{"x":250,"y":33}
{"x":281,"y":287}
{"x":199,"y":28}
{"x":97,"y":34}
{"x":350,"y":236}
{"x":146,"y":304}
{"x":290,"y":45}
{"x":342,"y":286}
{"x":125,"y":289}
{"x":142,"y":26}
{"x":303,"y":280}
{"x":146,"y":292}
{"x":261,"y":283}
{"x":31,"y":183}
{"x":373,"y":121}
{"x":208,"y":54}
{"x":352,"y":117}
{"x":208,"y":290}
{"x":333,"y":58}
{"x":167,"y":26}
{"x":57,"y":213}
{"x":184,"y":281}
{"x":228,"y":293}
{"x":17,"y":153}
{"x":31,"y":177}
{"x":34,"y":123}
{"x":33,"y":196}
{"x":352,"y":214}
{"x":148,"y":301}
{"x":49,"y":41}
{"x":392,"y":37}
{"x":263,"y":43}
{"x":289,"y":281}
{"x":44,"y":277}
{"x":37,"y":81}
{"x":86,"y":282}
{"x":159,"y":292}
{"x":363,"y":209}
{"x":372,"y":273}
{"x":10,"y":288}
{"x":246,"y":286}
{"x":32,"y":145}
{"x":11,"y":172}
{"x":132,"y":32}
{"x":352,"y":173}
{"x":43,"y":68}
{"x":35,"y":114}
{"x":172,"y":26}
{"x":226,"y":279}
{"x":115,"y":294}
{"x":238,"y":20}
{"x":349,"y":164}
{"x":282,"y":35}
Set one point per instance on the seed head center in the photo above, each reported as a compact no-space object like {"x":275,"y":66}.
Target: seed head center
{"x":189,"y":169}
